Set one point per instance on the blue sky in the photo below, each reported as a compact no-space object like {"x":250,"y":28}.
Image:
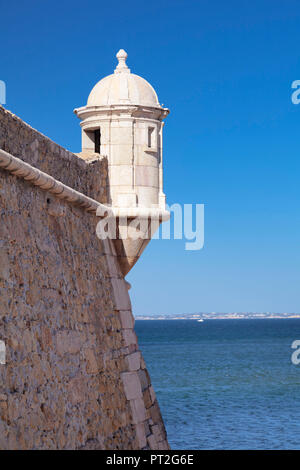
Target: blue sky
{"x":231,"y":141}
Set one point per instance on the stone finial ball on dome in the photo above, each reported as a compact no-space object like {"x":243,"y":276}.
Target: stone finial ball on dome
{"x":122,"y":66}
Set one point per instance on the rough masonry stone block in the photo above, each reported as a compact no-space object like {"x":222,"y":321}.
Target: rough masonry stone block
{"x":132,"y":385}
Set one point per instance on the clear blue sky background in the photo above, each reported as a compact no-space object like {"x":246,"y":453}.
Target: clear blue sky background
{"x":231,"y":141}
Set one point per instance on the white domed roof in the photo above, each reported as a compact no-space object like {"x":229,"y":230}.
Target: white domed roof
{"x":123,"y":87}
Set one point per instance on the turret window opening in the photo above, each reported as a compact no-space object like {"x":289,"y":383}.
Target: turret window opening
{"x":97,"y":140}
{"x":150,"y":136}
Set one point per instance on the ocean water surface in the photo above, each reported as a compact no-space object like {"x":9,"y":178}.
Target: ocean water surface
{"x":225,"y":384}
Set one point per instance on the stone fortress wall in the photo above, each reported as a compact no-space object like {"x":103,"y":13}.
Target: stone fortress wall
{"x":74,"y":377}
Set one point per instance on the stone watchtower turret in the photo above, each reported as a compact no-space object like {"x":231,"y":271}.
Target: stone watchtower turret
{"x":123,"y":121}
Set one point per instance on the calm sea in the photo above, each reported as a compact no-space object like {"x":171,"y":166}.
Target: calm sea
{"x":225,"y":384}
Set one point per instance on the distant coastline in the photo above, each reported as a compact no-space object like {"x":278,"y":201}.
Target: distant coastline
{"x":220,"y":316}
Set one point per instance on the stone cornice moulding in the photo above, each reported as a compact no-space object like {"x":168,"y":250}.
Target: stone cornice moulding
{"x":86,"y":112}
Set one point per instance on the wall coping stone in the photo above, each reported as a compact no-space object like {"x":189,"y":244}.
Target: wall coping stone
{"x":24,"y":170}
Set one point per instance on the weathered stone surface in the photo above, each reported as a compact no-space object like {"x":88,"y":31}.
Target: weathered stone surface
{"x":129,"y":337}
{"x":138,"y":410}
{"x":132,"y":385}
{"x":152,"y":393}
{"x":134,"y":361}
{"x":121,"y":295}
{"x":68,"y":342}
{"x":127,"y":320}
{"x":152,"y":441}
{"x":26,"y":143}
{"x":91,"y":362}
{"x":144,"y":379}
{"x":140,"y":435}
{"x":147,"y":398}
